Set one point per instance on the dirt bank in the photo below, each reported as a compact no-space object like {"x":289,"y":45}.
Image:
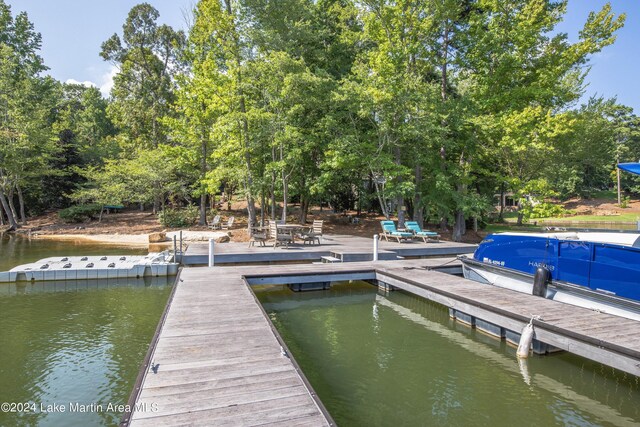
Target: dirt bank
{"x":133,"y":227}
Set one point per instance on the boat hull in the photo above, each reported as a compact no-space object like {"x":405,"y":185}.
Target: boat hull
{"x":558,"y":291}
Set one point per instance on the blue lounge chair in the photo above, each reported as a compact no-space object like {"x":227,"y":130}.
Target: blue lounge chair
{"x":389,"y":230}
{"x":419,"y":232}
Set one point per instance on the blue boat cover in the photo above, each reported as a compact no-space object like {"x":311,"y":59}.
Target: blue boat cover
{"x":630,"y":167}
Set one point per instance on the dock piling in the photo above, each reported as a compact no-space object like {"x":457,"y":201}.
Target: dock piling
{"x":211,"y":247}
{"x":175,"y":249}
{"x":375,"y":247}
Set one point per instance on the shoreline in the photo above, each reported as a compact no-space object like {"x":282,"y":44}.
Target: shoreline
{"x":110,"y":239}
{"x":137,"y":240}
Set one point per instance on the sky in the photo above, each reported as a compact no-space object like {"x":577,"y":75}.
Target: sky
{"x":73,"y":30}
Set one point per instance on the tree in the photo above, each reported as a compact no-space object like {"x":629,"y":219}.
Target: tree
{"x":148,"y":59}
{"x":84,"y":138}
{"x":26,"y":106}
{"x":521,"y":80}
{"x":222,"y":59}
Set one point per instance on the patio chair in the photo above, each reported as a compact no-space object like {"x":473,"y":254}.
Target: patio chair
{"x":258,"y":234}
{"x":229,"y":223}
{"x":389,"y":230}
{"x":278,"y":236}
{"x":418,"y":232}
{"x":314,"y":234}
{"x":215,"y":223}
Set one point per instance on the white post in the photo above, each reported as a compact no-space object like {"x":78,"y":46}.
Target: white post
{"x":375,"y":247}
{"x":211,"y":244}
{"x":619,"y":192}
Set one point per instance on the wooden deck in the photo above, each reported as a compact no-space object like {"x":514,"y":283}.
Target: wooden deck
{"x":345,"y":248}
{"x":611,"y":340}
{"x":220,"y":360}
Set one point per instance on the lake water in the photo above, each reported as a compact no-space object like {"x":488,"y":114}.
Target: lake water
{"x":590,"y":225}
{"x":16,"y":250}
{"x":74,"y":342}
{"x":394,"y":359}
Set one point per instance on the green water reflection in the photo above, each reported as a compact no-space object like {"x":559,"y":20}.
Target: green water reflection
{"x":17,"y":250}
{"x":75,"y":341}
{"x":395,"y":359}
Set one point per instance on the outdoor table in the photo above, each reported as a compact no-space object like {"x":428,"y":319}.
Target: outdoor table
{"x":293,"y":229}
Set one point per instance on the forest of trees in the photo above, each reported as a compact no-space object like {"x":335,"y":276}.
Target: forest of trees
{"x":412,"y":108}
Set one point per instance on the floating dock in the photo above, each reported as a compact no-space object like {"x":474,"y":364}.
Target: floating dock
{"x":217,"y":359}
{"x":334,"y":248}
{"x":93,"y":267}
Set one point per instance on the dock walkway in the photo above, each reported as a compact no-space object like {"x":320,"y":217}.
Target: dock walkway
{"x":344,"y":248}
{"x":220,"y":360}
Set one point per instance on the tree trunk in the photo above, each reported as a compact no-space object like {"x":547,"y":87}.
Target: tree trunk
{"x":443,"y":95}
{"x":401,"y":212}
{"x":285,"y":191}
{"x":203,"y":209}
{"x":11,"y":204}
{"x":502,"y":190}
{"x":459,"y":226}
{"x":381,"y":200}
{"x":445,"y":55}
{"x":13,"y":225}
{"x":304,"y":201}
{"x":400,"y":200}
{"x":23,"y":217}
{"x":273,"y":204}
{"x":251,"y":208}
{"x":304,"y":209}
{"x":203,"y":175}
{"x":418,"y":209}
{"x":262,"y":206}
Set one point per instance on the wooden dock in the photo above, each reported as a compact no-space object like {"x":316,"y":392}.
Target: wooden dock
{"x":220,"y":360}
{"x":611,"y":340}
{"x":340,"y":247}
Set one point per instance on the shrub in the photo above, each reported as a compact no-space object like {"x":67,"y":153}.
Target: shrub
{"x":547,"y":210}
{"x":624,"y":203}
{"x":80,"y":213}
{"x":176,"y":218}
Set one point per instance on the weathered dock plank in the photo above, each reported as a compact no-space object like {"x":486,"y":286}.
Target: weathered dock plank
{"x":348,"y":248}
{"x":220,"y":363}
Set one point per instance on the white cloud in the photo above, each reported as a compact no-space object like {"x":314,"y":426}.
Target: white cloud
{"x":102,"y":79}
{"x":106,"y":81}
{"x":85,"y":83}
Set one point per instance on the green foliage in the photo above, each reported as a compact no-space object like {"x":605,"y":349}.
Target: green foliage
{"x":435,"y":106}
{"x":80,"y":213}
{"x":178,"y":217}
{"x":624,"y":203}
{"x":546,"y":210}
{"x":27,"y":107}
{"x":147,"y":56}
